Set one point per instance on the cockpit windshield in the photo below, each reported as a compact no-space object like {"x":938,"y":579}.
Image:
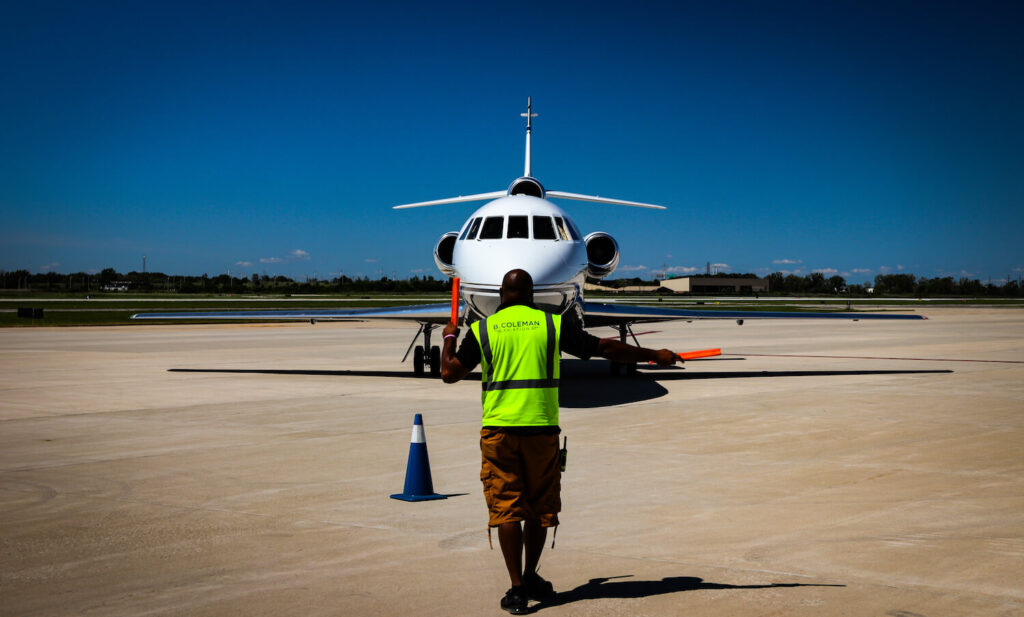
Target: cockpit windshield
{"x":518,"y":227}
{"x":562,"y":231}
{"x":542,"y":229}
{"x":573,"y":231}
{"x":493,"y":226}
{"x":474,"y":228}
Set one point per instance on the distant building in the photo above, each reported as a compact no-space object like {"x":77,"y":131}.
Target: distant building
{"x":627,"y":289}
{"x":714,"y":284}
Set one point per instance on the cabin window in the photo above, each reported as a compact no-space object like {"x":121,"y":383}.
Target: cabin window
{"x":560,"y":224}
{"x":518,"y":227}
{"x":473,"y":228}
{"x":493,"y":226}
{"x":465,"y":232}
{"x":542,"y":228}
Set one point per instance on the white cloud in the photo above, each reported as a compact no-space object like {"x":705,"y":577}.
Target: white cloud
{"x":420,"y":270}
{"x":370,"y":260}
{"x":720,"y":267}
{"x":299,"y":254}
{"x":270,"y":260}
{"x":861,"y":270}
{"x":668,"y":257}
{"x":828,"y":271}
{"x":50,"y":266}
{"x":631,"y":268}
{"x":899,"y":267}
{"x":884,"y":269}
{"x":244,"y":264}
{"x":681,"y":270}
{"x":788,"y":262}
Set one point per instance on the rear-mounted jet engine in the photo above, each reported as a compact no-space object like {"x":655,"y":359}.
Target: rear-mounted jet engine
{"x":602,"y":254}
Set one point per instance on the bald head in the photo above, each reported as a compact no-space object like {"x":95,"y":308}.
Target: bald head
{"x":517,"y":287}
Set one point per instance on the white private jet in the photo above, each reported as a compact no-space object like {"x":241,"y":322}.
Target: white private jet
{"x":518,"y":228}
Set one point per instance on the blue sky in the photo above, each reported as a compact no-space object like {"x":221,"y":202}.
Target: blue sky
{"x":847,"y":137}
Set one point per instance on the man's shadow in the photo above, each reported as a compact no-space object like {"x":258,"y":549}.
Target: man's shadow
{"x":597,"y":588}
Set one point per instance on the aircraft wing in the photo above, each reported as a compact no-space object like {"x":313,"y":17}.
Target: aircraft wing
{"x":602,"y":314}
{"x":423,"y":313}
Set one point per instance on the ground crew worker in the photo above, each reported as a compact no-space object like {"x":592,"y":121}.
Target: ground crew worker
{"x":518,"y":351}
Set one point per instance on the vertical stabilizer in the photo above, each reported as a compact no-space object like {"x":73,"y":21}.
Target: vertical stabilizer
{"x":529,"y":115}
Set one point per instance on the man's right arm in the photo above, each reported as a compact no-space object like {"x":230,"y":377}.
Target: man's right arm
{"x":451,"y":369}
{"x":582,"y":344}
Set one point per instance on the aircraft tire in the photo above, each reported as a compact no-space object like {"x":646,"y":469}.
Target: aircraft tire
{"x":417,"y":361}
{"x":435,"y":361}
{"x":631,"y":369}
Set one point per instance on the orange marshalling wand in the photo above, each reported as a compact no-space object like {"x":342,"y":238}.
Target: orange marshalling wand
{"x":703,"y":353}
{"x":455,"y":300}
{"x":694,"y":355}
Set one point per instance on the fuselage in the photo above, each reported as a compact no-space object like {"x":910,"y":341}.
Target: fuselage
{"x":520,"y":231}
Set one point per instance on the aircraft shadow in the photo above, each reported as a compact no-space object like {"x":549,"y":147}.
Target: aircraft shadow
{"x":745,"y":374}
{"x":597,"y":588}
{"x":317,"y":373}
{"x":585,"y":384}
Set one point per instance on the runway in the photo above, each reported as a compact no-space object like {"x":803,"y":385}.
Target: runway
{"x":245,"y":470}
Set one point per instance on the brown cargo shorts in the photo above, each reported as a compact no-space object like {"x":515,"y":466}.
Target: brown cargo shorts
{"x":521,"y":477}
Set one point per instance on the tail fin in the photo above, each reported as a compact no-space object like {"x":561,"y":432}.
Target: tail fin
{"x":529,"y":115}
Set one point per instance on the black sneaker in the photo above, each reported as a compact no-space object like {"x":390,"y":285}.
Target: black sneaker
{"x":538,"y":588}
{"x":515,"y":601}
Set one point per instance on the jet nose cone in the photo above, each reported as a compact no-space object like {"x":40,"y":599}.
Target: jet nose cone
{"x":547,"y":265}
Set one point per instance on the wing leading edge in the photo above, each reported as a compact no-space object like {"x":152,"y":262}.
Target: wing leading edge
{"x":423,"y":313}
{"x":596,"y":313}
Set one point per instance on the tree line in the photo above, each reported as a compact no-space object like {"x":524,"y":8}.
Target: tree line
{"x":899,"y":285}
{"x":895,"y":285}
{"x":109,"y":280}
{"x":815,"y":283}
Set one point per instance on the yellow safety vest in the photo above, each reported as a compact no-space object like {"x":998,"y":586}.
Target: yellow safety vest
{"x":519,"y":356}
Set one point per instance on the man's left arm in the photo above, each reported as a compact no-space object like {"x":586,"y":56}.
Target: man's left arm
{"x":582,"y":344}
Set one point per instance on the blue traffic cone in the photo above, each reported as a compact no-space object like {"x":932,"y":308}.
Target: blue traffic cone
{"x":418,"y":485}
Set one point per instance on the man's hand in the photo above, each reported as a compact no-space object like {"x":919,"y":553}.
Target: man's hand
{"x":451,"y":369}
{"x":664,"y":357}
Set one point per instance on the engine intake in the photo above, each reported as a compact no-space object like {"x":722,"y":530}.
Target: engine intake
{"x":602,"y":254}
{"x":526,"y":186}
{"x":444,"y":251}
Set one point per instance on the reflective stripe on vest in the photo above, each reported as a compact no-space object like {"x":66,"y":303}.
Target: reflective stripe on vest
{"x":519,"y":364}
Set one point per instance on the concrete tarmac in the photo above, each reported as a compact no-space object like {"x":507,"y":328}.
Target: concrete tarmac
{"x":245,"y":470}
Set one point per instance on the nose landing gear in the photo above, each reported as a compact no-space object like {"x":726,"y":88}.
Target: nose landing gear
{"x":424,"y":357}
{"x":617,"y":369}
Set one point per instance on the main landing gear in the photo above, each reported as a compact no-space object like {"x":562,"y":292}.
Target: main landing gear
{"x":424,"y":357}
{"x":624,"y":369}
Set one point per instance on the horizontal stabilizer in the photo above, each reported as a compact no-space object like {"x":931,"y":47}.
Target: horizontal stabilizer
{"x":454,"y":200}
{"x":601,"y":200}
